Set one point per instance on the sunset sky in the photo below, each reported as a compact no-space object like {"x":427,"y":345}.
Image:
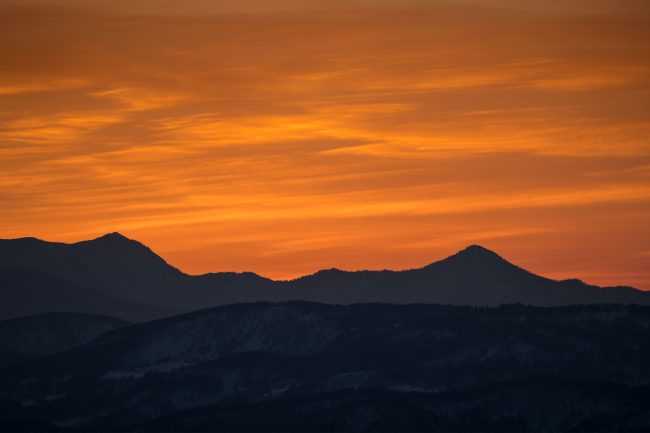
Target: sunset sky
{"x":286,"y":136}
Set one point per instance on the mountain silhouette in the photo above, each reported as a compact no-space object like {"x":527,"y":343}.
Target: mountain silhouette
{"x":473,"y":276}
{"x":126,"y":270}
{"x":112,"y":264}
{"x":32,"y":291}
{"x":299,"y":366}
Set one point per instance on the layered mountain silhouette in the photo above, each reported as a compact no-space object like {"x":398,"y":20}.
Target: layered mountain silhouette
{"x":300,"y":366}
{"x":26,"y":291}
{"x":111,"y":264}
{"x":258,"y":355}
{"x":43,"y":276}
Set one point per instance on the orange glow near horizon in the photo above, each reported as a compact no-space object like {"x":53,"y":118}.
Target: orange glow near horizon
{"x":286,"y":136}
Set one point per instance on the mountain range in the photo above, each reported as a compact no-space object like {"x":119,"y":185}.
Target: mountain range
{"x":376,"y":352}
{"x":123,"y":278}
{"x":300,"y":366}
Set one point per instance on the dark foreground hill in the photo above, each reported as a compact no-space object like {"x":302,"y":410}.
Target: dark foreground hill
{"x":373,"y":367}
{"x":35,"y":336}
{"x":125,"y":270}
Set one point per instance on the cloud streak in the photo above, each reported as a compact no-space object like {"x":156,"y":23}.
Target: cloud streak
{"x":253,"y":137}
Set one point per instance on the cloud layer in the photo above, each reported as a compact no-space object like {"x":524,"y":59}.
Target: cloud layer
{"x":284,"y":136}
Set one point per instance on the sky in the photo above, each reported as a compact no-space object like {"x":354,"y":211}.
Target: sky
{"x":284,"y":136}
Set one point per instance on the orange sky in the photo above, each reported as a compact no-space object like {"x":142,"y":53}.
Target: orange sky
{"x":286,"y":136}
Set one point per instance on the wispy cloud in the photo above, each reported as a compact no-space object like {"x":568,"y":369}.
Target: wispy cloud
{"x":254,"y":128}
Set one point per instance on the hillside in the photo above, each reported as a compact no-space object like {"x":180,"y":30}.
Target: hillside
{"x":38,"y":335}
{"x":282,"y":366}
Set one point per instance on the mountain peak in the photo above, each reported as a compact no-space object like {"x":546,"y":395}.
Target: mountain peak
{"x":113,"y":239}
{"x":476,"y":255}
{"x":113,"y":236}
{"x":477,"y":250}
{"x":119,"y":245}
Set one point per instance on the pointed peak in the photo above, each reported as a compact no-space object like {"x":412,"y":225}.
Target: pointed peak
{"x":113,"y":238}
{"x":115,"y":235}
{"x":476,"y":254}
{"x":477,"y":250}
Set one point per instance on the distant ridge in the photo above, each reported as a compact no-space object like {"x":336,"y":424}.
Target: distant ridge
{"x":37,"y":335}
{"x":26,"y":291}
{"x":111,"y":264}
{"x":127,"y":270}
